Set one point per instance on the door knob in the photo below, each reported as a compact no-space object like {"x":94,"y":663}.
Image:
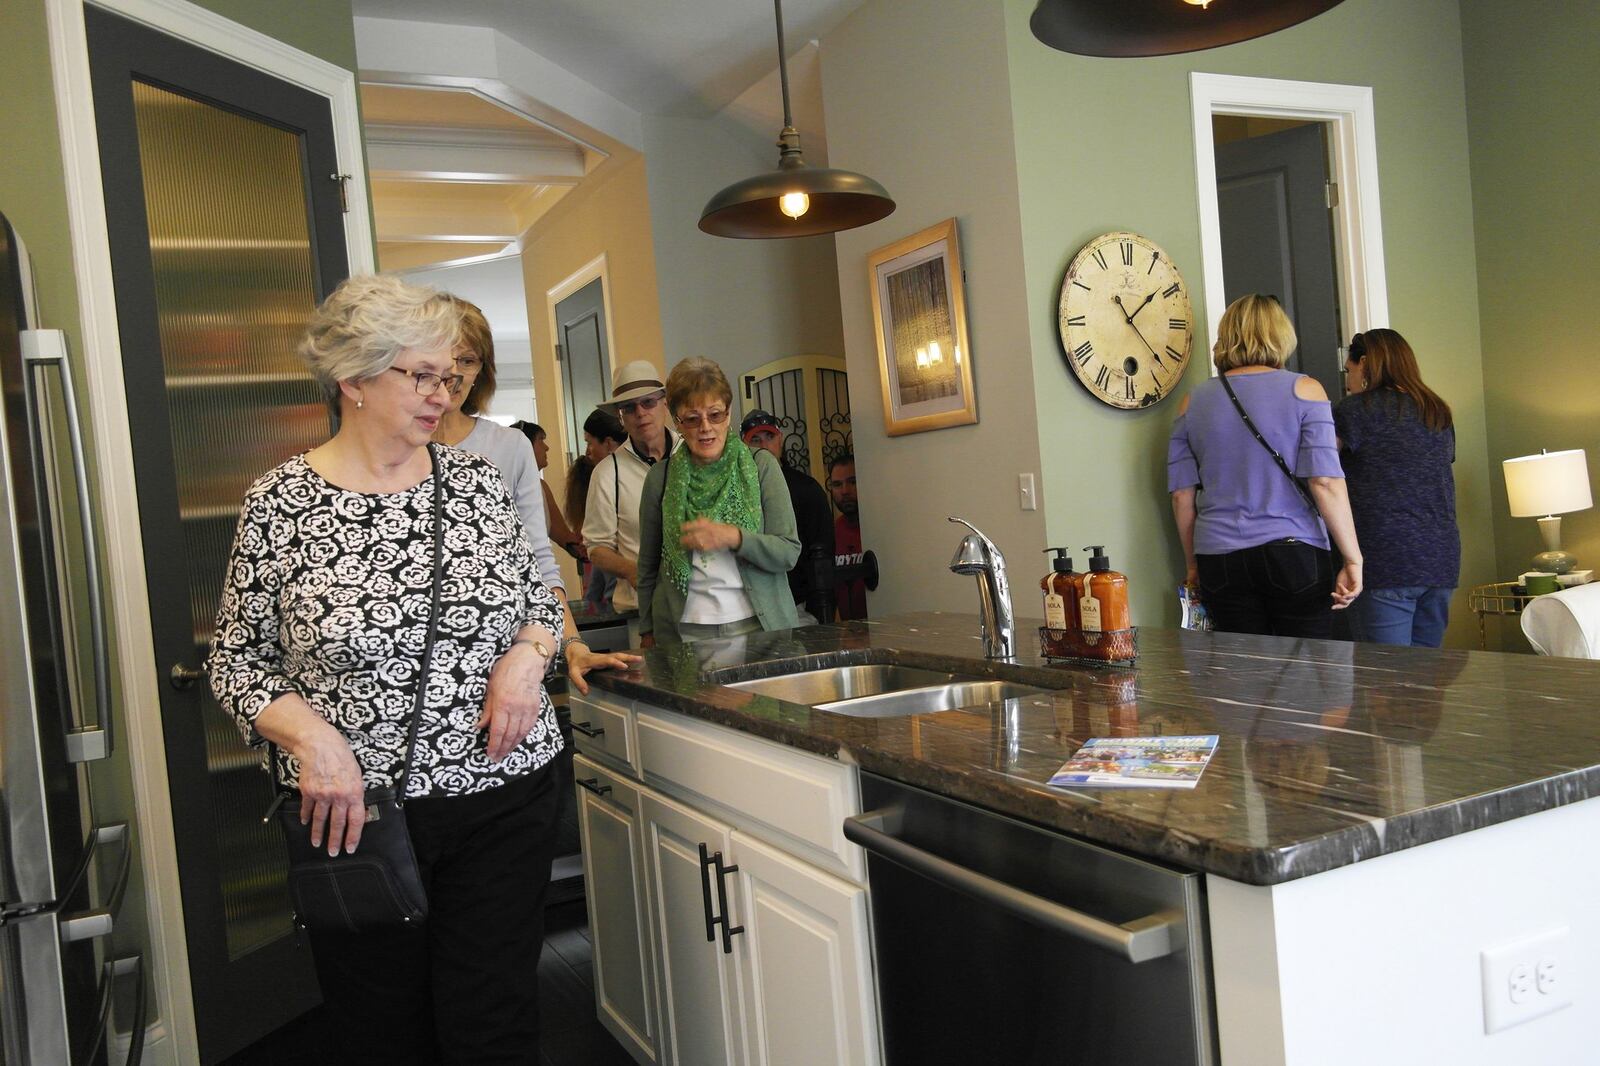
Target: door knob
{"x":183,"y":677}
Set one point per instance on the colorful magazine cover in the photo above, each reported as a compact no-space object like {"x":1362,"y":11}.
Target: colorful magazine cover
{"x":1137,"y":762}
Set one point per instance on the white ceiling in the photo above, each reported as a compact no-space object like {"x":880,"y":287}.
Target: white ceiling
{"x":682,"y":57}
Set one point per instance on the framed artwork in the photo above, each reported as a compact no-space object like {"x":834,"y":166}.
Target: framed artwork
{"x":919,"y":316}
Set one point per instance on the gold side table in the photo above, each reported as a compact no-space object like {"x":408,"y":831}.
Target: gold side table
{"x":1501,"y":598}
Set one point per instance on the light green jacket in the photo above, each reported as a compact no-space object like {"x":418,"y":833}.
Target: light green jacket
{"x":764,"y":558}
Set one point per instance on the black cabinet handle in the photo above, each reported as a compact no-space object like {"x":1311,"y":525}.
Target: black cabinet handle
{"x":593,"y":785}
{"x":705,"y":893}
{"x":728,"y":931}
{"x":588,"y":730}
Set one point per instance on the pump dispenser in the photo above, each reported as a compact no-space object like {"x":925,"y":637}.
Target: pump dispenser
{"x":1103,"y":605}
{"x":1060,"y":600}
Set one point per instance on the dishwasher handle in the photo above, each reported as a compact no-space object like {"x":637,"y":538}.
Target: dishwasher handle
{"x":1139,"y":940}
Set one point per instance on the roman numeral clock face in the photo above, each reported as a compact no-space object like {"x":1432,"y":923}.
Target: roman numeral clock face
{"x":1126,"y":326}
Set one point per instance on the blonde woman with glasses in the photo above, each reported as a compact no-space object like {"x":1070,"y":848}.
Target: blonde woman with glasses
{"x":716,"y":528}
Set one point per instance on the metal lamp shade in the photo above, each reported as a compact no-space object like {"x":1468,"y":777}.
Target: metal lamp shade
{"x":840,"y":199}
{"x":1126,"y":28}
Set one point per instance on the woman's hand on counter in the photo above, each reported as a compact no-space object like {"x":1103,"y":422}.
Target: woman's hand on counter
{"x":580,"y":660}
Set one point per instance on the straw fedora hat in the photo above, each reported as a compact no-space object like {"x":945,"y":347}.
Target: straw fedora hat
{"x":634,"y":381}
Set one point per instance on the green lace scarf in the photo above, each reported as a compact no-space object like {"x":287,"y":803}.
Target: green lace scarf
{"x":727,"y":491}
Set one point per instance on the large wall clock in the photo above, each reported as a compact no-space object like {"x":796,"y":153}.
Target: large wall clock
{"x":1126,"y":325}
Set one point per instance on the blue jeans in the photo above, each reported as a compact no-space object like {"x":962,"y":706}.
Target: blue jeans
{"x":1412,"y":614}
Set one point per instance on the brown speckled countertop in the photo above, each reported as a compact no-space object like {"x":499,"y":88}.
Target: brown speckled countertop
{"x":1330,"y":753}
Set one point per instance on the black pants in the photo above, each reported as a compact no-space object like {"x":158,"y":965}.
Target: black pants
{"x":463,"y":987}
{"x":1283,"y":588}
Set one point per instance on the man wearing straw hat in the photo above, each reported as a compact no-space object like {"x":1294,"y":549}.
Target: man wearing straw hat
{"x":611,"y":515}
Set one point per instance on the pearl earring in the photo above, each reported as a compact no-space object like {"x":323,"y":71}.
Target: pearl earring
{"x":360,"y":404}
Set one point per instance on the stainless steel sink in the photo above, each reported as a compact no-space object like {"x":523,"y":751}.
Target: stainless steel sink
{"x":883,"y":690}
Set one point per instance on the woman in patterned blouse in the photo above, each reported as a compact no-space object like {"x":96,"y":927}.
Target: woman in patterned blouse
{"x":318,"y":649}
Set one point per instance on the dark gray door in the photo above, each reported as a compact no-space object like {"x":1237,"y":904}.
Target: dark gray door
{"x":1277,"y":237}
{"x":585,"y":362}
{"x":226,"y":231}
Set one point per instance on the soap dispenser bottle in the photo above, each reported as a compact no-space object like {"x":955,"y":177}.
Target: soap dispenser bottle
{"x":1060,"y":598}
{"x":1103,"y":607}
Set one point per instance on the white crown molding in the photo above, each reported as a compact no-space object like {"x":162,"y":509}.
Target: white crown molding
{"x":1358,"y":221}
{"x":106,"y":398}
{"x":421,"y":161}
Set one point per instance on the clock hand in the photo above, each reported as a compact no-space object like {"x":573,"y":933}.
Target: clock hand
{"x":1140,"y":334}
{"x":1141,"y":307}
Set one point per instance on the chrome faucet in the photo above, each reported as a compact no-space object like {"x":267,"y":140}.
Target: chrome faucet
{"x":981,"y":557}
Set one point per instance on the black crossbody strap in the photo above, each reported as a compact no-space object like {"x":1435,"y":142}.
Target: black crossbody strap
{"x":427,"y":647}
{"x":1300,"y":487}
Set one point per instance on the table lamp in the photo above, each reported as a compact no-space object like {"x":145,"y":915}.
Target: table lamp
{"x":1549,"y":485}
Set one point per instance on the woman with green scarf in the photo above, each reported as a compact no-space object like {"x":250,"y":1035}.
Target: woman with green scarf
{"x":716,"y":529}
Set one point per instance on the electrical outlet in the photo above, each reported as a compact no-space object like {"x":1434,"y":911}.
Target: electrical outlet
{"x":1524,"y":979}
{"x":1026,"y":494}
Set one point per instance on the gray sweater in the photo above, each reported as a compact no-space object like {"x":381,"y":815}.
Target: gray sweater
{"x":509,"y":450}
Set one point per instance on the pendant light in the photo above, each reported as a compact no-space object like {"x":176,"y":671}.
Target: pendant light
{"x":795,"y":200}
{"x":1125,"y":28}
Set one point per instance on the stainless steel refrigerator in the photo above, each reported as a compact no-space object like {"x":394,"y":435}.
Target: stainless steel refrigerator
{"x":71,"y":990}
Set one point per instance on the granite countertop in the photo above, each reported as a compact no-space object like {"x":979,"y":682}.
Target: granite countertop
{"x":1330,"y":752}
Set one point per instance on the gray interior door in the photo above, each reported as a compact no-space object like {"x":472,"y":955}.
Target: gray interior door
{"x":226,"y":231}
{"x":1277,"y":238}
{"x":585,"y":362}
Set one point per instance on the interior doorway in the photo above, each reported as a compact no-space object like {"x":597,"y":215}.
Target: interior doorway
{"x":1276,"y":233}
{"x":1275,"y":198}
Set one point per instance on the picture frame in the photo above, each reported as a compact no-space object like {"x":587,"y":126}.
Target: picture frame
{"x":919,"y":317}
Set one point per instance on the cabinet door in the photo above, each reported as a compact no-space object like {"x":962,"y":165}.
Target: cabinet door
{"x":807,"y":956}
{"x":619,"y":911}
{"x":702,"y":1020}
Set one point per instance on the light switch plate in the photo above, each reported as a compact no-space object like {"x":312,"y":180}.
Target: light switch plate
{"x":1524,"y":979}
{"x":1026,"y":494}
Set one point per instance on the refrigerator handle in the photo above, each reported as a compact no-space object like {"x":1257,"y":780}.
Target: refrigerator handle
{"x":98,"y":921}
{"x":48,"y":347}
{"x":132,"y":968}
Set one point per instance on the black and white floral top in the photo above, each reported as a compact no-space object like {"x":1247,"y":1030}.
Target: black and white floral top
{"x":327,"y":596}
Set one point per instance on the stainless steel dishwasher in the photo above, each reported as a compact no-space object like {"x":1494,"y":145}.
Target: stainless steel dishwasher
{"x":997,"y":941}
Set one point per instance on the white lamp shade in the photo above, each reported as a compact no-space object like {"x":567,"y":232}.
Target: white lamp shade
{"x":1547,"y":484}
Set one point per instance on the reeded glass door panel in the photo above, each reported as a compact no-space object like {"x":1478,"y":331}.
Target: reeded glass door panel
{"x":232,"y":260}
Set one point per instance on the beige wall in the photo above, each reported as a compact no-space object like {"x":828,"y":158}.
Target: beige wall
{"x":942,"y":145}
{"x":610,"y":214}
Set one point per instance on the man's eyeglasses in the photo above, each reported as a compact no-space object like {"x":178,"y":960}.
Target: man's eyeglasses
{"x":428,"y":383}
{"x":649,"y":403}
{"x":694,"y":419}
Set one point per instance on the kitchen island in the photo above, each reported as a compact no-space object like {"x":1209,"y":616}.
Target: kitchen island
{"x":1374,"y":818}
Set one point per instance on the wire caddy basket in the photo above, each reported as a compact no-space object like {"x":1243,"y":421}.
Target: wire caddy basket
{"x":1110,"y":647}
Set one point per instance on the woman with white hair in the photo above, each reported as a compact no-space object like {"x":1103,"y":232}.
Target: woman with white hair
{"x":343,"y":559}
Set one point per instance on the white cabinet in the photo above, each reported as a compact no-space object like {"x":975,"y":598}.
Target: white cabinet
{"x":701,"y":1009}
{"x":742,"y":891}
{"x":807,"y":961}
{"x":618,"y":901}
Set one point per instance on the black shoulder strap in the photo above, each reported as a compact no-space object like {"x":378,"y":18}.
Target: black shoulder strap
{"x":1300,"y":486}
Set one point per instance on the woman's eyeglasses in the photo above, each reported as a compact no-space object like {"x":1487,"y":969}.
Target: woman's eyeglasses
{"x":694,"y":419}
{"x":649,"y":403}
{"x":468,"y":364}
{"x":428,"y":383}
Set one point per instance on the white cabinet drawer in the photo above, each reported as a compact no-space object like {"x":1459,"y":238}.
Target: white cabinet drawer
{"x":602,"y":728}
{"x":793,"y":799}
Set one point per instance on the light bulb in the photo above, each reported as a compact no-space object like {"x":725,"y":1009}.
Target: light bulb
{"x":1197,"y":3}
{"x":794,"y":204}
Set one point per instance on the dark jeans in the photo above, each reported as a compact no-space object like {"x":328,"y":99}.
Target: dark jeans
{"x":1283,"y":589}
{"x":462,"y":987}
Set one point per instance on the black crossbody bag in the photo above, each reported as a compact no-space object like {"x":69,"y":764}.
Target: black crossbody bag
{"x":379,"y":885}
{"x":1300,"y":485}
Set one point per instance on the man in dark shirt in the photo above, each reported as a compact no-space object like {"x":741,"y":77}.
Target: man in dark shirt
{"x":852,"y":595}
{"x":812,"y":518}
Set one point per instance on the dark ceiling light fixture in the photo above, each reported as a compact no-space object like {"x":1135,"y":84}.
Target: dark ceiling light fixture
{"x":795,"y":200}
{"x":1126,"y":28}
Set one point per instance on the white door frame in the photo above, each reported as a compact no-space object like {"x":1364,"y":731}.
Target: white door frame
{"x":1353,"y":163}
{"x":173,"y":1038}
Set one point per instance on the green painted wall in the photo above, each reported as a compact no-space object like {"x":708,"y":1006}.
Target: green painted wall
{"x":1107,"y":144}
{"x":1534,"y":120}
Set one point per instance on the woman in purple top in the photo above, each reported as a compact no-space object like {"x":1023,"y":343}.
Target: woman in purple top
{"x":1253,"y":541}
{"x":1398,"y":442}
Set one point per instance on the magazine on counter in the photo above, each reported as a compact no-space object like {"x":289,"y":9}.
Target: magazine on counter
{"x":1137,"y":762}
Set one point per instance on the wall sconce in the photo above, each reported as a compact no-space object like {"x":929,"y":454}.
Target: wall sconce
{"x":1549,"y":484}
{"x":1127,"y":28}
